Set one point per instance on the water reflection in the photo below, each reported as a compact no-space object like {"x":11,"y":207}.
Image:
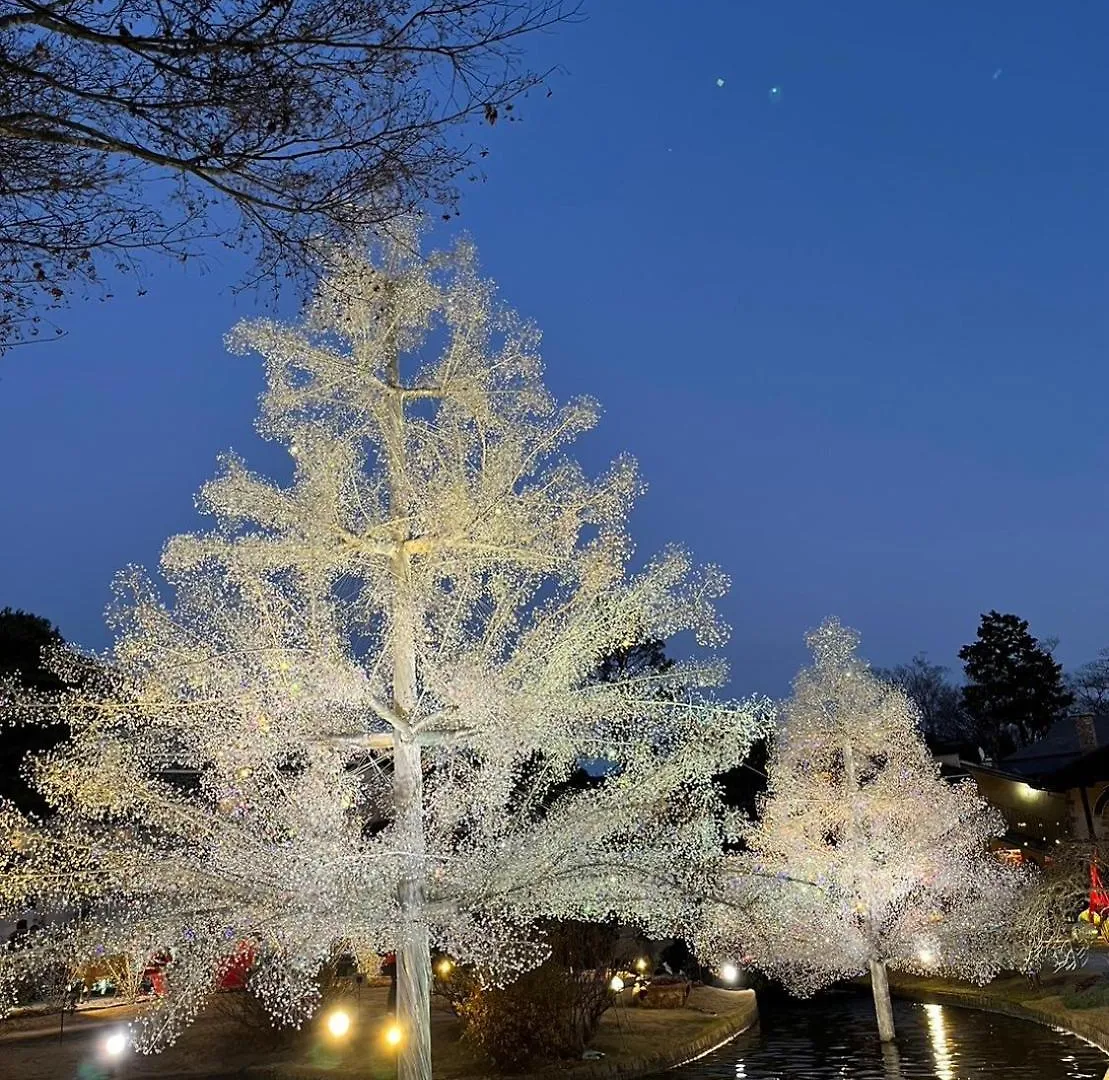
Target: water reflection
{"x":834,"y":1037}
{"x":891,"y":1058}
{"x":938,"y":1034}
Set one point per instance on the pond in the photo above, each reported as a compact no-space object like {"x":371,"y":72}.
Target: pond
{"x":834,"y":1036}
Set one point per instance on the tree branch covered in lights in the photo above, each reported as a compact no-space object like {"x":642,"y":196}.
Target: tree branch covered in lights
{"x":345,"y":730}
{"x":866,"y":858}
{"x":1045,"y":929}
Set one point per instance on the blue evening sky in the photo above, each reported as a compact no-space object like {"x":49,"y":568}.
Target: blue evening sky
{"x":854,"y":330}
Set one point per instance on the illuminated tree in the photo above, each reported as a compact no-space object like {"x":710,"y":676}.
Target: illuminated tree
{"x":346,"y":730}
{"x":863,"y":858}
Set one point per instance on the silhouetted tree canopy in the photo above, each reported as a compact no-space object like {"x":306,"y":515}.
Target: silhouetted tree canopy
{"x":1090,"y":685}
{"x":1014,"y":689}
{"x":23,"y":639}
{"x":277,"y":126}
{"x":940,"y":702}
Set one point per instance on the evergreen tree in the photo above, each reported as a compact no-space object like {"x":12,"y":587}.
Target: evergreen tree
{"x":1015,"y":689}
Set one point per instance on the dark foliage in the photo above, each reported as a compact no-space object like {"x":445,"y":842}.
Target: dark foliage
{"x":551,"y":1012}
{"x":1014,"y":690}
{"x":23,"y":639}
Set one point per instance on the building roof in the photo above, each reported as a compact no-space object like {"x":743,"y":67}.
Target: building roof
{"x":1057,"y":750}
{"x":1082,"y":771}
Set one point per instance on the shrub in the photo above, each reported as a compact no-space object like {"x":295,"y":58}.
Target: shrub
{"x":1093,"y":997}
{"x":550,"y":1012}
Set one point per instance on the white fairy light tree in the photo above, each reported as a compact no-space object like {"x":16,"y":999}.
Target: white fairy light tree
{"x":863,"y":858}
{"x":409,"y":632}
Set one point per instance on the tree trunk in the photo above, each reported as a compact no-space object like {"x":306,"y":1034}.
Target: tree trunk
{"x":880,"y":985}
{"x":413,"y":947}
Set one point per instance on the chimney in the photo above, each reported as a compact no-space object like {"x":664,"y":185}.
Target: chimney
{"x":1087,"y":734}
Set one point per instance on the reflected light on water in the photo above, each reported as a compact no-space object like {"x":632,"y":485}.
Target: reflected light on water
{"x":834,"y":1038}
{"x":937,"y":1033}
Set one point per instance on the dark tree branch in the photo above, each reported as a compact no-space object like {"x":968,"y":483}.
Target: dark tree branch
{"x":314,"y":120}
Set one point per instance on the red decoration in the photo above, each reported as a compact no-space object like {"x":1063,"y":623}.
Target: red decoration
{"x":1099,"y":897}
{"x":235,"y":976}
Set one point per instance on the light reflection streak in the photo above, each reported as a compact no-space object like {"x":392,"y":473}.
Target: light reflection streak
{"x":937,"y":1034}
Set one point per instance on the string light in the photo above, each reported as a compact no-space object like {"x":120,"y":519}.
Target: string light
{"x":406,"y":636}
{"x":861,"y":836}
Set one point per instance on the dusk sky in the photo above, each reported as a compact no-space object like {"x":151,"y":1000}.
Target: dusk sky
{"x":849,"y":310}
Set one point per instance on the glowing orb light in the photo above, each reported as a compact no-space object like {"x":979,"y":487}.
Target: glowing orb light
{"x":393,"y":1035}
{"x":729,"y":973}
{"x":616,"y":985}
{"x":641,"y":964}
{"x":115,"y":1044}
{"x":338,"y":1023}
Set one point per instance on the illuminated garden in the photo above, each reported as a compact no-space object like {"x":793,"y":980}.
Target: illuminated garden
{"x":410,"y":750}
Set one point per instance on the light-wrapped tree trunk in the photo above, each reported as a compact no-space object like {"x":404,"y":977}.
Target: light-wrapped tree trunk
{"x":880,"y":986}
{"x":413,"y":947}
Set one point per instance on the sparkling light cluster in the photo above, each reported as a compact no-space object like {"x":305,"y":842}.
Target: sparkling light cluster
{"x":347,"y":728}
{"x":862,"y":851}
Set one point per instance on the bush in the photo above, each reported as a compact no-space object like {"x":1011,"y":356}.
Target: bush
{"x":551,"y":1012}
{"x":547,"y":1013}
{"x":1093,"y":997}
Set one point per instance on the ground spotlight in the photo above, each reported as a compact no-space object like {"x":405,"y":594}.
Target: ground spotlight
{"x":394,"y":1035}
{"x":641,"y":964}
{"x":729,"y":973}
{"x":338,"y":1023}
{"x":444,"y":967}
{"x":115,"y":1044}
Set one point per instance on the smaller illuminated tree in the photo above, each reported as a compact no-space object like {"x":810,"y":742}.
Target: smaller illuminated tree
{"x":863,"y":858}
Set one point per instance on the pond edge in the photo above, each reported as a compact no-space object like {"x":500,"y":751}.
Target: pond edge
{"x":717,"y":1035}
{"x":984,"y":1001}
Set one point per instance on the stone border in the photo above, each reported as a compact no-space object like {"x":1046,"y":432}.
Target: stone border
{"x":982,"y":1000}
